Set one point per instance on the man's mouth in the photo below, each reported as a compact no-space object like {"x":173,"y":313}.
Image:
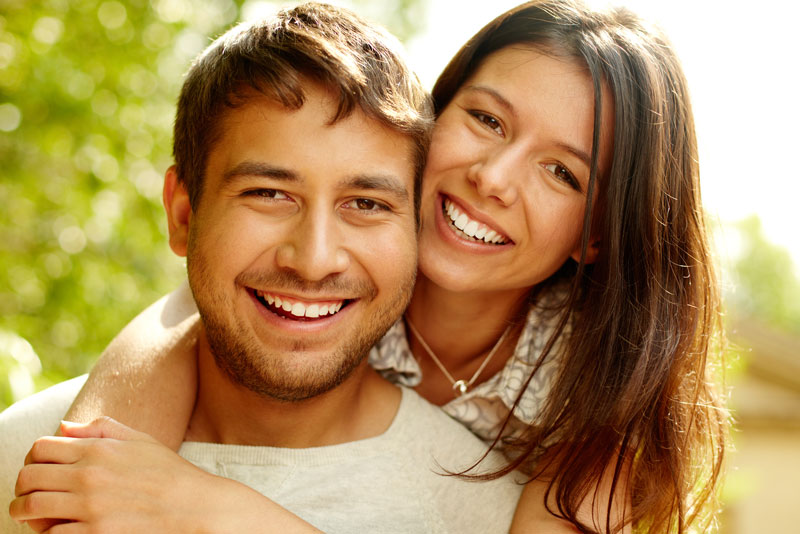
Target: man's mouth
{"x":299,"y":310}
{"x":470,"y":229}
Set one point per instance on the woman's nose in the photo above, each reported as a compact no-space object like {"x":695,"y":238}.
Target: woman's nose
{"x":496,"y":175}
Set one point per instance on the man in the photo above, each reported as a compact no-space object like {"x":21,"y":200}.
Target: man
{"x":299,"y":144}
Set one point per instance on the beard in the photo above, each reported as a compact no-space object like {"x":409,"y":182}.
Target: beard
{"x":271,"y":372}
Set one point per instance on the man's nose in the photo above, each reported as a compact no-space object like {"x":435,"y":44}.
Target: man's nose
{"x":314,"y":250}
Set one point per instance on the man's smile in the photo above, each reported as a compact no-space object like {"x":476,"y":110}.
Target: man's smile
{"x":298,"y":309}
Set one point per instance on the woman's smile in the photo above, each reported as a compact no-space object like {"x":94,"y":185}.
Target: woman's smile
{"x":464,"y":226}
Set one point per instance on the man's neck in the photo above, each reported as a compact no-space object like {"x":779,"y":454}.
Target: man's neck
{"x":362,"y":406}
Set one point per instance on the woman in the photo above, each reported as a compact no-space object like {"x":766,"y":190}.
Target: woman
{"x":566,"y":301}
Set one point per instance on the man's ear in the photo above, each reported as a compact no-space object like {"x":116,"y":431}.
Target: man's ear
{"x":592,"y":252}
{"x":179,"y":211}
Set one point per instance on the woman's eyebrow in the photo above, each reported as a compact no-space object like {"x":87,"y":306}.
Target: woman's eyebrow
{"x":492,"y":93}
{"x":577,"y":152}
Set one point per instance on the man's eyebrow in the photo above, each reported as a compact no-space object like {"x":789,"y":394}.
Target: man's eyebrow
{"x":383,"y":183}
{"x":500,"y":99}
{"x":375,"y":182}
{"x":257,"y":168}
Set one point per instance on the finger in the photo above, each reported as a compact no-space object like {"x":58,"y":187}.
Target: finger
{"x":44,"y":477}
{"x":102,"y":427}
{"x":45,"y":505}
{"x":53,"y":449}
{"x":44,"y":525}
{"x":70,"y":527}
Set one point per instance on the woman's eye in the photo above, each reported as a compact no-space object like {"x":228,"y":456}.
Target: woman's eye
{"x":490,"y":122}
{"x":366,"y":204}
{"x":563,"y":174}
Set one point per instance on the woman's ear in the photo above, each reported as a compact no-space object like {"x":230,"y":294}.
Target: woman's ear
{"x":179,"y":211}
{"x":592,"y":252}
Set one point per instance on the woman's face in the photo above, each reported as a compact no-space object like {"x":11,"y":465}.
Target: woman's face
{"x":504,"y":190}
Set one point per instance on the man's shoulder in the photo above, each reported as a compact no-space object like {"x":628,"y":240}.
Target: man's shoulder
{"x":431,"y":426}
{"x":43,"y":409}
{"x":431,"y":430}
{"x":35,"y":416}
{"x":22,"y":424}
{"x":430,"y":433}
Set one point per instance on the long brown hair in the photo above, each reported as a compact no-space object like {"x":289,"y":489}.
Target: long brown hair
{"x":637,"y":388}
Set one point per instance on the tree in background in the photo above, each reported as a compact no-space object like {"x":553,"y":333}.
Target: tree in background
{"x":766,"y":285}
{"x":87,"y":92}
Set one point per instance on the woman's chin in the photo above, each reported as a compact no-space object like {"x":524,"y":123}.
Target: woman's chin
{"x":450,"y":275}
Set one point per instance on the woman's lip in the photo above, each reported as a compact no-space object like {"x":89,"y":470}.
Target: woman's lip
{"x":472,"y":214}
{"x":449,"y":235}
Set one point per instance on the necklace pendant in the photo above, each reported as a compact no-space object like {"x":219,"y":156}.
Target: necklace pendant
{"x":460,"y":387}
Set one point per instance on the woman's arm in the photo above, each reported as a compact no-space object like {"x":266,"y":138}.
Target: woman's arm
{"x":105,"y":477}
{"x":533,"y":516}
{"x":147,"y":377}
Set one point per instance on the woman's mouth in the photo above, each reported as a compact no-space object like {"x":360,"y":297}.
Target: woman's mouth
{"x":470,"y":229}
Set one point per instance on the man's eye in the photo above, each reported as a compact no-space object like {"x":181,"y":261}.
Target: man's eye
{"x":488,"y":121}
{"x":563,"y":174}
{"x":366,"y":204}
{"x":273,"y":194}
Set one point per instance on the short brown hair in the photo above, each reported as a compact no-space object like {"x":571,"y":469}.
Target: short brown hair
{"x":274,"y":56}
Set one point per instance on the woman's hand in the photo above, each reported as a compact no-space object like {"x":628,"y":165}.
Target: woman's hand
{"x":105,"y":477}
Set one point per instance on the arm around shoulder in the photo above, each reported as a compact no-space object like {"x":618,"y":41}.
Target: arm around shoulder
{"x":150,"y":365}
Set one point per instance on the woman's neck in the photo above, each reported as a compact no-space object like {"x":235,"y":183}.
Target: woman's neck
{"x":461,"y":328}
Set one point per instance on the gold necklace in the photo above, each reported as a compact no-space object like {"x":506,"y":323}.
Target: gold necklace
{"x":459,"y":386}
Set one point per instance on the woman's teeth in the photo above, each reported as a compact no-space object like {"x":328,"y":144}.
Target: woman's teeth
{"x":299,"y":309}
{"x":471,"y":229}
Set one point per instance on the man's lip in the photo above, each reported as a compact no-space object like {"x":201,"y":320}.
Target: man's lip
{"x":301,"y":308}
{"x":327,"y":299}
{"x":287,"y":323}
{"x":475,"y":215}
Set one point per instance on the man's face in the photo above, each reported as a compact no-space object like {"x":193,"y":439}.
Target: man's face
{"x":301,"y":251}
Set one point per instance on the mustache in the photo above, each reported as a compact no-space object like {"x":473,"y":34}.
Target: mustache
{"x":289,"y":280}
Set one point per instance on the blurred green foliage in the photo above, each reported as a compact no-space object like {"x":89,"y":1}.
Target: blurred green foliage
{"x":87,"y":92}
{"x":766,"y":286}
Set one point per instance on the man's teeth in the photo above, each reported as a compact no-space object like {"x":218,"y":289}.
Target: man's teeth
{"x":471,"y":228}
{"x":300,"y":309}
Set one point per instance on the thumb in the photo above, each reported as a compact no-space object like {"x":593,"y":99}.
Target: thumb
{"x":102,"y":427}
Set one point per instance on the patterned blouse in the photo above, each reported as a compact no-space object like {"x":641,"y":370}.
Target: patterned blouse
{"x":484,"y":408}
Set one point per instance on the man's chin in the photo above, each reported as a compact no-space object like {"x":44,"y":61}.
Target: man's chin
{"x":296,"y":373}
